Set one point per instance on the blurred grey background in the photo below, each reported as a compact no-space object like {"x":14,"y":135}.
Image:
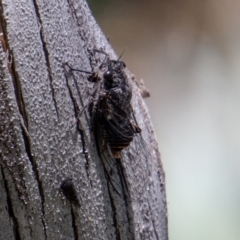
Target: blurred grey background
{"x":188,"y":54}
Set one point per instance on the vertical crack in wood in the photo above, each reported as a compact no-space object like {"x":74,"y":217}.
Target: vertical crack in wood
{"x":75,"y":231}
{"x":126,"y":196}
{"x":27,"y":144}
{"x":10,"y":208}
{"x":13,"y":73}
{"x":115,"y":222}
{"x":14,"y":169}
{"x":81,"y":132}
{"x":75,"y":17}
{"x":46,"y":55}
{"x":18,"y":93}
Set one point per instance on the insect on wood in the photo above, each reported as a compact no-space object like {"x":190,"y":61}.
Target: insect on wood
{"x":114,"y":125}
{"x":111,"y":105}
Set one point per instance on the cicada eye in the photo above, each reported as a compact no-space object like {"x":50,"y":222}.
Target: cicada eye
{"x":108,"y":75}
{"x":121,"y":64}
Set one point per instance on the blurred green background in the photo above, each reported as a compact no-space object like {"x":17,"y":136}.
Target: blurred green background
{"x":188,"y":54}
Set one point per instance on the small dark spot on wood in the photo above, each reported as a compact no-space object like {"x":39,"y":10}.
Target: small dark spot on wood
{"x":68,"y":189}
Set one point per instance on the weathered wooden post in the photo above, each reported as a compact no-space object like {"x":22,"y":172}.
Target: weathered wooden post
{"x":39,"y":148}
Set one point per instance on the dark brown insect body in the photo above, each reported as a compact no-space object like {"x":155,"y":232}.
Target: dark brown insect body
{"x":111,"y":108}
{"x":114,"y":110}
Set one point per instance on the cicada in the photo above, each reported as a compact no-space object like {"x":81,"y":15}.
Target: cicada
{"x":113,"y":121}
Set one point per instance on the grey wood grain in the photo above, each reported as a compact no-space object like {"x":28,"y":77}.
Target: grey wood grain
{"x":40,"y":148}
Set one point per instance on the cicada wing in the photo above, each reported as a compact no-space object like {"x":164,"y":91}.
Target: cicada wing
{"x":121,"y":132}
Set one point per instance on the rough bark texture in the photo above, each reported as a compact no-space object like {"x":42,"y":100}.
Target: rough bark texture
{"x":37,"y":153}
